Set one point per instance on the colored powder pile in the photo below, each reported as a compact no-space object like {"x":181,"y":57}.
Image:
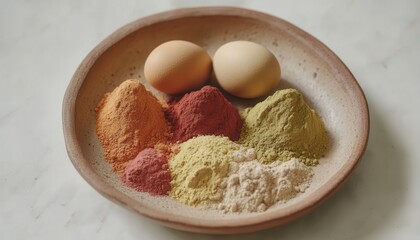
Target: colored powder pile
{"x":253,"y":187}
{"x":204,"y":112}
{"x":207,"y":169}
{"x":199,"y":167}
{"x":282,"y":127}
{"x":148,"y":172}
{"x":128,"y":120}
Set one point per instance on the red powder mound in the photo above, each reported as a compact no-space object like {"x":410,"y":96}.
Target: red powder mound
{"x":148,"y":172}
{"x":204,"y":112}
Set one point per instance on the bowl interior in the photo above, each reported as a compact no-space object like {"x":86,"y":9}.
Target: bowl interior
{"x":306,"y":65}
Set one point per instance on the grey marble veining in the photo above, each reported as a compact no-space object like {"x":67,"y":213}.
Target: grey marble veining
{"x":43,"y":197}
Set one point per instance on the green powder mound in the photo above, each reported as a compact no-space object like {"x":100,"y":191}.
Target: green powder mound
{"x":199,"y":167}
{"x":283,"y":126}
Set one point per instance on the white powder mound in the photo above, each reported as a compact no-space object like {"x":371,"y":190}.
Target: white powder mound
{"x":254,"y":187}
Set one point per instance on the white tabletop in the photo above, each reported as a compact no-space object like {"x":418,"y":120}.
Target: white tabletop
{"x":43,"y":197}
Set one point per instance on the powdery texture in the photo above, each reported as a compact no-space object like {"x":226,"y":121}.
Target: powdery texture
{"x":199,"y":167}
{"x":204,"y":112}
{"x":254,"y":187}
{"x":148,"y":172}
{"x":128,"y":120}
{"x":282,"y":127}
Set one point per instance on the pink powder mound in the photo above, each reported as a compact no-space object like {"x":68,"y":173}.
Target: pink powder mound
{"x":148,"y":172}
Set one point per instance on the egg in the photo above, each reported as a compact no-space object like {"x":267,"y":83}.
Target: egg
{"x":177,"y":67}
{"x":246,"y":69}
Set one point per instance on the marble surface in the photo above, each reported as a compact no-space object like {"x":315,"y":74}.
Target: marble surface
{"x":43,"y":197}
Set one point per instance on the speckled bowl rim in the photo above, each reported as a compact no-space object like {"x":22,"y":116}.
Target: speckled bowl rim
{"x":250,"y":223}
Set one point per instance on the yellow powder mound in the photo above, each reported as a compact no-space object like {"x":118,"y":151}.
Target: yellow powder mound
{"x":128,"y":120}
{"x":199,"y":167}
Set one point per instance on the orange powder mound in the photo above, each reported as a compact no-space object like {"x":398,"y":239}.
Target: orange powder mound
{"x":128,"y":120}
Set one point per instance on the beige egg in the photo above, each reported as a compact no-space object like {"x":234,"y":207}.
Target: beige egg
{"x":246,"y":69}
{"x":177,"y":67}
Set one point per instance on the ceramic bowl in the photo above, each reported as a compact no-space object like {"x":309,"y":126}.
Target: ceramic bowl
{"x":307,"y":65}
